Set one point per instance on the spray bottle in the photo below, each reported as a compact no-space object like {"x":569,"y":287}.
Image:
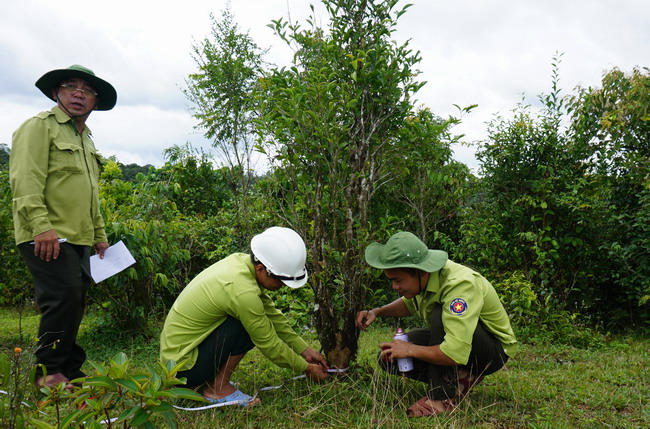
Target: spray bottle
{"x":403,"y":364}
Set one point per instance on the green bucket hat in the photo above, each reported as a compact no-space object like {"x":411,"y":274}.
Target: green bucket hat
{"x":107,"y":95}
{"x":405,"y":250}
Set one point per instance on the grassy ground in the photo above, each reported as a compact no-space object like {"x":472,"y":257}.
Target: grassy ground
{"x":545,"y":386}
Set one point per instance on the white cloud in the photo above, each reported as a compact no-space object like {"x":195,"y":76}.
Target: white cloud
{"x":17,"y":110}
{"x":485,"y":52}
{"x":139,"y":134}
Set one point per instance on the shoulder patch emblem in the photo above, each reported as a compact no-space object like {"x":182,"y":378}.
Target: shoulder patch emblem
{"x":458,"y":306}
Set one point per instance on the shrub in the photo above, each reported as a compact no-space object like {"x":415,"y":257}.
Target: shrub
{"x":15,"y":374}
{"x":115,"y":397}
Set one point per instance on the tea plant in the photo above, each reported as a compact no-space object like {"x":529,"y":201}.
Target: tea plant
{"x":113,"y":396}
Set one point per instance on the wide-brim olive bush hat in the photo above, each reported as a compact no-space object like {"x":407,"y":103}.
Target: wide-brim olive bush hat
{"x":405,"y":250}
{"x":107,"y":95}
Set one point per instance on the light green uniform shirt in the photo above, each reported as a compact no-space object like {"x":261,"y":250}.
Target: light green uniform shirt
{"x":466,"y":297}
{"x":54,"y":175}
{"x":229,"y":288}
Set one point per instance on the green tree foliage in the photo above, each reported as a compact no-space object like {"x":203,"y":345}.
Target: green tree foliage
{"x":4,"y":155}
{"x":426,"y":186}
{"x":130,"y":171}
{"x":170,"y":247}
{"x":197,"y":188}
{"x":229,"y":65}
{"x":613,"y":124}
{"x":567,"y":205}
{"x":15,"y":280}
{"x":176,"y":221}
{"x":329,"y":121}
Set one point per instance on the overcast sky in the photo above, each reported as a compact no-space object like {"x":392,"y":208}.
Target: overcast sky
{"x":485,"y":52}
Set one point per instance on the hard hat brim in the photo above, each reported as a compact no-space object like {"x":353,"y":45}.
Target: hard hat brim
{"x":295,"y":284}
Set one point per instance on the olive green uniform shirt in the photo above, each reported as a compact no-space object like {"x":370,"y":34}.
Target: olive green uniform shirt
{"x":54,"y":175}
{"x":466,"y":297}
{"x":229,"y":288}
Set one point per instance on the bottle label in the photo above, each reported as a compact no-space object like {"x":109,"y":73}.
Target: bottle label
{"x":405,"y":364}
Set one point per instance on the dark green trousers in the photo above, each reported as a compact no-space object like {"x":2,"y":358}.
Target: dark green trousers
{"x":487,"y":356}
{"x":228,"y":339}
{"x":60,"y":288}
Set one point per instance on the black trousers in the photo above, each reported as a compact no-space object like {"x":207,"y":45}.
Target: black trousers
{"x":60,"y":289}
{"x":486,"y":357}
{"x":228,"y":339}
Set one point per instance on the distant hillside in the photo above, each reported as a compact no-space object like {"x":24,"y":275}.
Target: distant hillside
{"x":128,"y":171}
{"x":4,"y":155}
{"x":131,"y":170}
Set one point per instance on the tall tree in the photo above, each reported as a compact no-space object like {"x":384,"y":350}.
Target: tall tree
{"x":229,"y":66}
{"x":427,"y":185}
{"x":330,"y":121}
{"x":536,"y":193}
{"x":568,"y":205}
{"x":612,"y":124}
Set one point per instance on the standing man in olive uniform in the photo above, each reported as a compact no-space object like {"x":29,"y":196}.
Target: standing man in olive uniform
{"x":54,"y":173}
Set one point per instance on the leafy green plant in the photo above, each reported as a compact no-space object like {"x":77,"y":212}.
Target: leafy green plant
{"x":612,"y":123}
{"x":114,"y":396}
{"x":14,"y":375}
{"x":198,"y":188}
{"x":296,"y":305}
{"x":518,"y":297}
{"x":426,"y":188}
{"x":330,"y":124}
{"x":221,"y":91}
{"x":563,"y":199}
{"x":169,"y":248}
{"x":14,"y":276}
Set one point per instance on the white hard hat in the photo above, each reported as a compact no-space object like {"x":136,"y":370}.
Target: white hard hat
{"x":283,"y":253}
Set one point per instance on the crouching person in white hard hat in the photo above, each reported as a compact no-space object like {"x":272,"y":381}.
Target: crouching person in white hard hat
{"x":225,"y":311}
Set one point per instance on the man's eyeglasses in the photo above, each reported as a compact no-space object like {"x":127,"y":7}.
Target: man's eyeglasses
{"x":84,"y":91}
{"x":275,"y":276}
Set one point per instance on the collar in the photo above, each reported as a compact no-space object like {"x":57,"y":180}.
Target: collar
{"x":62,"y":118}
{"x":246,"y":258}
{"x":433,"y":285}
{"x":60,"y":115}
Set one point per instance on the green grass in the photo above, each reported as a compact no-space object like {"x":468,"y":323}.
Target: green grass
{"x":545,"y":386}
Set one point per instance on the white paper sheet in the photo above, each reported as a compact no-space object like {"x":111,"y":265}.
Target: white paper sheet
{"x":116,"y":258}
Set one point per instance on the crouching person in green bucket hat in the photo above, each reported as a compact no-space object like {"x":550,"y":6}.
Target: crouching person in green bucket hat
{"x":468,"y":334}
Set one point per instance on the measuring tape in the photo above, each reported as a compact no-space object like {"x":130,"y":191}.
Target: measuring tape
{"x":225,"y":404}
{"x":263,"y":389}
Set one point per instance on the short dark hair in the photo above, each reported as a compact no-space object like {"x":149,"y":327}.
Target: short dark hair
{"x":412,"y":271}
{"x":255,"y":261}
